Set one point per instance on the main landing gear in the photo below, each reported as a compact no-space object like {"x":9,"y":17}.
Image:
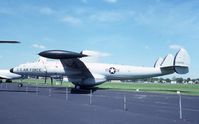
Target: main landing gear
{"x":20,"y":85}
{"x":77,"y":87}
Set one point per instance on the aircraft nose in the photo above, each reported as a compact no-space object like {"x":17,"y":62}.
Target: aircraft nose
{"x":11,"y":70}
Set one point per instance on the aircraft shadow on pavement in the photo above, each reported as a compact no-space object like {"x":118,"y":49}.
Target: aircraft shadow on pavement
{"x":62,"y":90}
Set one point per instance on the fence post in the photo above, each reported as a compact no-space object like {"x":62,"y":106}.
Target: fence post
{"x":180,"y":104}
{"x":49,"y":92}
{"x":26,"y":89}
{"x":125,"y":107}
{"x":91,"y":97}
{"x":66,"y":93}
{"x":37,"y":90}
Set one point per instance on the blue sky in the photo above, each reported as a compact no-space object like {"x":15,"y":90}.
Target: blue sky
{"x":133,"y":32}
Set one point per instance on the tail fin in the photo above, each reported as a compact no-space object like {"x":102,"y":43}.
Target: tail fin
{"x":168,"y":61}
{"x":167,"y":65}
{"x":182,"y":62}
{"x":158,"y":62}
{"x":179,"y":64}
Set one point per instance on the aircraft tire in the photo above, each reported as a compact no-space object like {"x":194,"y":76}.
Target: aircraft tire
{"x":8,"y":81}
{"x":20,"y":85}
{"x":77,"y":87}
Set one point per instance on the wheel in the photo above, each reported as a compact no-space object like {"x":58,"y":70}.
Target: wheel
{"x":77,"y":87}
{"x":8,"y":81}
{"x":20,"y":85}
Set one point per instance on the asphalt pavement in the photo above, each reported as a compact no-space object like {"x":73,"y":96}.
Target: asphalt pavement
{"x":59,"y":105}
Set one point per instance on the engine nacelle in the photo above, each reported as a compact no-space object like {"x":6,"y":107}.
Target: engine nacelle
{"x":92,"y":81}
{"x":96,"y":80}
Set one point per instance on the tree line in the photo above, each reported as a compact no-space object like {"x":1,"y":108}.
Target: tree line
{"x":179,"y":80}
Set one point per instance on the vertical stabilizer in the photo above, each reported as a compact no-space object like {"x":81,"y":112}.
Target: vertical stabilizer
{"x":182,"y":62}
{"x":168,"y":61}
{"x":158,"y":62}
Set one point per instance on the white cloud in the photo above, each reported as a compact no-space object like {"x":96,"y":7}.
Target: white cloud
{"x":95,"y":53}
{"x":6,"y":11}
{"x":43,"y":10}
{"x":39,"y":46}
{"x":111,"y":1}
{"x":175,"y":47}
{"x":46,"y":11}
{"x":107,"y":17}
{"x":94,"y":56}
{"x":176,"y":20}
{"x":146,"y":47}
{"x":85,"y":1}
{"x":71,"y":20}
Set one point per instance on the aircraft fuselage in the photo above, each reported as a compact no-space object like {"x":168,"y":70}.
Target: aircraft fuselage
{"x":101,"y":72}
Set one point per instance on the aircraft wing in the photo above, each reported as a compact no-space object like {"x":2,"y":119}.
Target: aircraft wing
{"x":78,"y":65}
{"x":4,"y":77}
{"x":71,"y":61}
{"x":6,"y":74}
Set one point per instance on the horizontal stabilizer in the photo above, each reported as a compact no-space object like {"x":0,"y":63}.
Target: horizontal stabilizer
{"x":61,"y":54}
{"x":182,"y":62}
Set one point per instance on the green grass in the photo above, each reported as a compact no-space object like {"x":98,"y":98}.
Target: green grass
{"x":41,"y":82}
{"x":188,"y":89}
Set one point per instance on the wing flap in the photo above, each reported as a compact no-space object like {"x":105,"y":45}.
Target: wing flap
{"x":81,"y":78}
